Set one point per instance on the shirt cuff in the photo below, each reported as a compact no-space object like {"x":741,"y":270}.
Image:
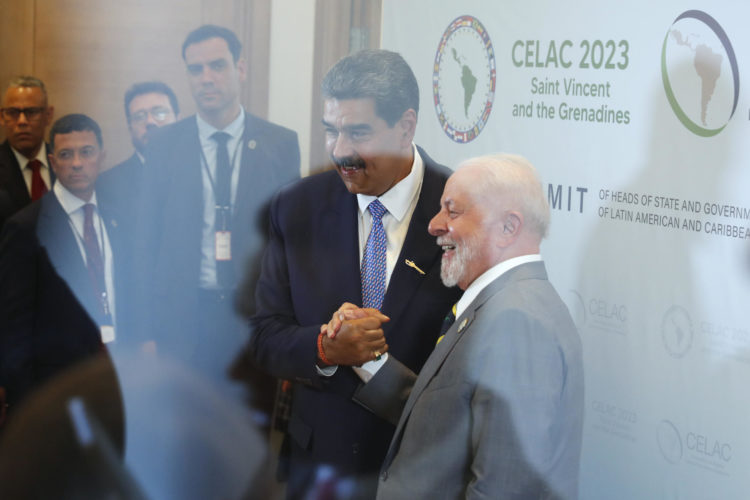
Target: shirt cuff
{"x":369,"y":369}
{"x":327,"y":371}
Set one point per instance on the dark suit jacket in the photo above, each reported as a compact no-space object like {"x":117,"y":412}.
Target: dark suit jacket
{"x":11,"y":181}
{"x":310,"y":268}
{"x":120,"y":186}
{"x":170,"y":232}
{"x":49,"y":317}
{"x":497,"y":411}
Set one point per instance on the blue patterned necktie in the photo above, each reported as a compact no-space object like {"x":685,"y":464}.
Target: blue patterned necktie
{"x":373,"y":261}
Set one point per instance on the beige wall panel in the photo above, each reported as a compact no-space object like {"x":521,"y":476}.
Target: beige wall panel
{"x":251,"y":21}
{"x":16,"y":40}
{"x":90,"y":51}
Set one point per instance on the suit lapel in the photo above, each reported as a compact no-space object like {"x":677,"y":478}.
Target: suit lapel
{"x":341,"y":217}
{"x":250,"y":151}
{"x":419,"y":247}
{"x":56,"y":236}
{"x":16,"y":185}
{"x":459,"y":329}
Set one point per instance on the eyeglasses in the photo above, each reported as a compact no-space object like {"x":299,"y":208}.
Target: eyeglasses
{"x":160,"y":114}
{"x":31,"y":114}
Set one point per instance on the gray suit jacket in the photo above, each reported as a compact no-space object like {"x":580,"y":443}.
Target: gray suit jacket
{"x":497,"y":410}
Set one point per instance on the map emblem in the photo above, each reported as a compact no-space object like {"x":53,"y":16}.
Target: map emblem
{"x":677,"y":331}
{"x":463,"y":79}
{"x":699,"y":72}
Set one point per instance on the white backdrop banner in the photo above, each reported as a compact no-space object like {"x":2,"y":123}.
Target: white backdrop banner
{"x":636,"y":116}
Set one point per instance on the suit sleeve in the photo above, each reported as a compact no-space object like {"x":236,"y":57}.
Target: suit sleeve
{"x":18,"y":275}
{"x":279,"y":344}
{"x":385,"y":394}
{"x":514,"y":409}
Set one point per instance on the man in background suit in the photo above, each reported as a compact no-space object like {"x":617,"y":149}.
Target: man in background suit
{"x":209,"y":178}
{"x":317,"y":257}
{"x":57,"y":266}
{"x":24,"y":173}
{"x":497,"y":410}
{"x":148,"y":105}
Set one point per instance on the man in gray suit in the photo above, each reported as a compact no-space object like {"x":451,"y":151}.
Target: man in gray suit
{"x":497,"y":410}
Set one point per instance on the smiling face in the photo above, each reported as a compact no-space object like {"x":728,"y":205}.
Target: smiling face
{"x":214,"y":79}
{"x":25,"y":132}
{"x":463,"y":232}
{"x":76,"y":161}
{"x":370,"y":156}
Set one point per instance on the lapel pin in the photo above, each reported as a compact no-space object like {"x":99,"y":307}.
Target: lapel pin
{"x":463,"y":325}
{"x":412,"y":264}
{"x":251,"y":144}
{"x":114,"y":223}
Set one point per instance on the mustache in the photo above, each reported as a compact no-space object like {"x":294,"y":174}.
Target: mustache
{"x":349,"y":161}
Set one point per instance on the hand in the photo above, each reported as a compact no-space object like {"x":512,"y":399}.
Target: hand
{"x":358,"y":340}
{"x":349,"y":311}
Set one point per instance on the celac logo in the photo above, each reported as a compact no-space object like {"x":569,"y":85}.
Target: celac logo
{"x":677,"y":331}
{"x":669,"y":441}
{"x":699,"y":71}
{"x":463,"y":79}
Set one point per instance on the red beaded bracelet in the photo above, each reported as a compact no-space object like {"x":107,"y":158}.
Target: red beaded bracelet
{"x":321,"y":354}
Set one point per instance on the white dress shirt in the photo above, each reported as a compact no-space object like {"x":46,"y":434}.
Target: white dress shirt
{"x":23,"y":162}
{"x":208,"y":278}
{"x":73,"y":206}
{"x":487,"y":277}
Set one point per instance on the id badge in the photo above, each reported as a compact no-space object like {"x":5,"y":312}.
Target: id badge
{"x":108,"y":333}
{"x":223,"y":245}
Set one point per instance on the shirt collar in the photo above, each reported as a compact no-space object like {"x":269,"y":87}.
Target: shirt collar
{"x":68,"y":200}
{"x":489,"y":276}
{"x":398,"y":199}
{"x":41,"y":156}
{"x":235,"y":129}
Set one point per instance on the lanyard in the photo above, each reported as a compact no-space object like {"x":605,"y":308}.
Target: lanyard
{"x":104,"y":298}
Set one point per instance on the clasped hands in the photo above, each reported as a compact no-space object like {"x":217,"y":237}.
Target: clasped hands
{"x":354,"y":335}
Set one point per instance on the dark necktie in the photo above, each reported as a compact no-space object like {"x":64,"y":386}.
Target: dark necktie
{"x":38,"y":187}
{"x":450,"y":318}
{"x":223,"y":194}
{"x":373,"y":260}
{"x":94,"y":261}
{"x":223,"y":169}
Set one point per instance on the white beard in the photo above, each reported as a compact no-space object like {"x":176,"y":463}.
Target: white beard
{"x":453,"y":270}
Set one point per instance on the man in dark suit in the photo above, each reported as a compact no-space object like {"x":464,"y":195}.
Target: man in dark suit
{"x":497,"y":410}
{"x":24,"y":173}
{"x":208,"y":181}
{"x":148,"y":105}
{"x":57,"y":265}
{"x":368,"y":218}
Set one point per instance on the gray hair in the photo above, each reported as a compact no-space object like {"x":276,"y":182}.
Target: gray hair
{"x":28,"y":81}
{"x":378,"y":74}
{"x":513,"y":176}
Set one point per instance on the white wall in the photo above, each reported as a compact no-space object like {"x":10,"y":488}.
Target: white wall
{"x":291,"y":67}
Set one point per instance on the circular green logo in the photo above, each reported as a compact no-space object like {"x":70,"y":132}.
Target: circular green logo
{"x":699,"y":72}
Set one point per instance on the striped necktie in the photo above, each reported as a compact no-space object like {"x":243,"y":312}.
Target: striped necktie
{"x":373,"y":261}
